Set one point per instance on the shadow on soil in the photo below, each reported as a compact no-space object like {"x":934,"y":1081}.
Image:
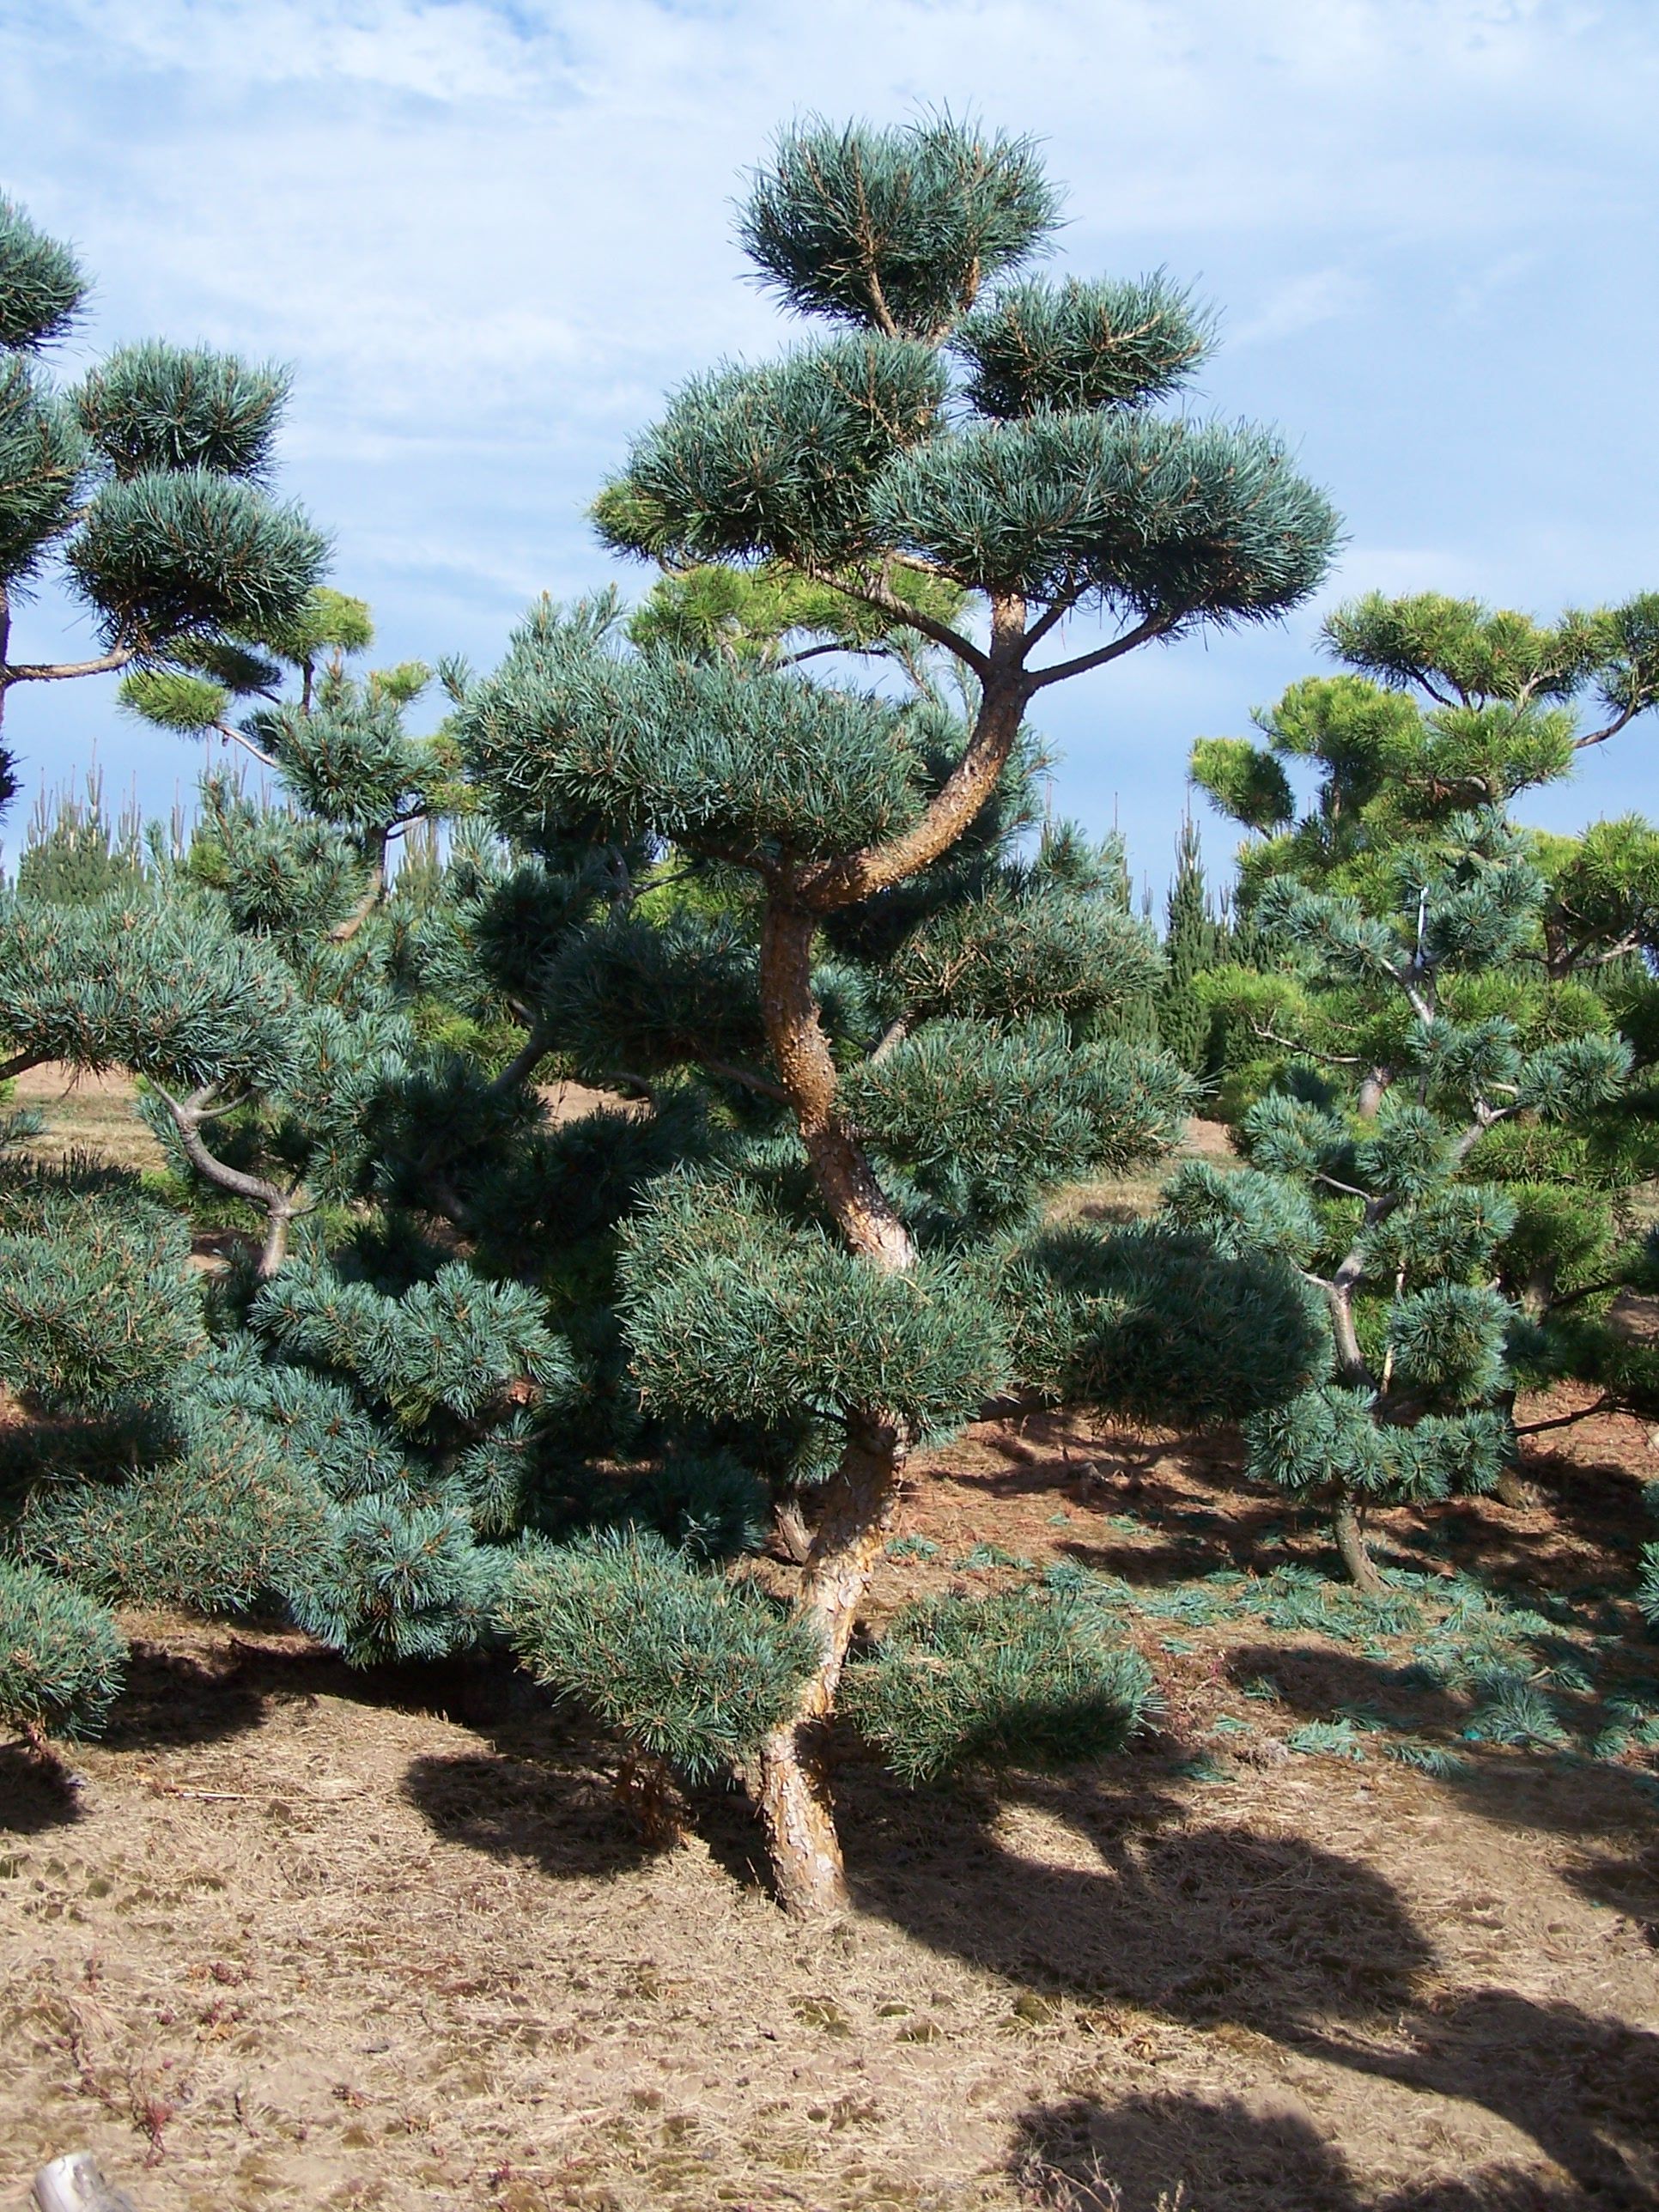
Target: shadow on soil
{"x":35,"y":1794}
{"x":1271,"y":1933}
{"x":1156,"y":2152}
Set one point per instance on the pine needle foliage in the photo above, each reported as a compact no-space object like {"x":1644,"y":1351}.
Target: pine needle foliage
{"x":758,"y":858}
{"x":148,"y":481}
{"x":894,"y":230}
{"x":688,"y":1666}
{"x":62,"y":1658}
{"x":889,"y":1006}
{"x":1449,"y":1016}
{"x":1019,"y":1678}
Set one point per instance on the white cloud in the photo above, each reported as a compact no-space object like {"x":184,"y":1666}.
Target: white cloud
{"x":488,"y":236}
{"x":1301,"y":303}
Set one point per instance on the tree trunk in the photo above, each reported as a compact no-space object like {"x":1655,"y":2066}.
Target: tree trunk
{"x":1361,"y":1569}
{"x":793,"y":1798}
{"x":862,"y":1496}
{"x":806,"y":1068}
{"x":1371,"y":1093}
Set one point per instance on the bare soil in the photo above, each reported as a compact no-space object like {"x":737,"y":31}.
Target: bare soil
{"x":295,"y":1935}
{"x":303,"y":1937}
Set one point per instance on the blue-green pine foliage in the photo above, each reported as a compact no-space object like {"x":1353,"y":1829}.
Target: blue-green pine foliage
{"x":463,"y":1362}
{"x":1413,"y":947}
{"x":743,"y":888}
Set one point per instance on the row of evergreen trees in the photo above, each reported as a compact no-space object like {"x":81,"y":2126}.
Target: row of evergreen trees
{"x":761,"y":859}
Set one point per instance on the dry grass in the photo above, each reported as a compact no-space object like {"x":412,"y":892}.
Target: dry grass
{"x":92,"y":1114}
{"x":315,"y":1938}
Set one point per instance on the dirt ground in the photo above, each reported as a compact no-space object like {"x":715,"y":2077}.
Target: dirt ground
{"x":295,"y":1935}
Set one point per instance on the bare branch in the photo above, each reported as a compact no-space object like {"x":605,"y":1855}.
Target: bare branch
{"x":58,"y":672}
{"x":1154,"y":626}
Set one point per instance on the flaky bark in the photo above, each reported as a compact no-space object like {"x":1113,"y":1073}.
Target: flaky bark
{"x":800,"y":1049}
{"x":860,"y":1504}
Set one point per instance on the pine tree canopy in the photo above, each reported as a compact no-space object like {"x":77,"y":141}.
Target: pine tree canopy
{"x":894,"y":231}
{"x":148,"y":481}
{"x":1430,"y":1033}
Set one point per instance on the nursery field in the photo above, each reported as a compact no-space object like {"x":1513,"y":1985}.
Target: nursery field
{"x":1336,"y":1934}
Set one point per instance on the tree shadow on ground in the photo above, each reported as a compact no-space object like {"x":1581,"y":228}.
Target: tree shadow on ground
{"x":1214,"y":1922}
{"x":1562,"y":1795}
{"x":555,"y":1790}
{"x":563,"y":1819}
{"x":36,"y":1793}
{"x":1273,"y":1932}
{"x":1314,"y":1681}
{"x":1162,"y":2149}
{"x":1629,"y":1884}
{"x":1586,"y":2090}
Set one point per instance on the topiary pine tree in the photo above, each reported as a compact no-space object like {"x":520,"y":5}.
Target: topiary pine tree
{"x":1445,"y":706}
{"x":341,"y":1429}
{"x":147,"y":481}
{"x":1449,"y":704}
{"x":1369,"y":1171}
{"x":894,"y":1009}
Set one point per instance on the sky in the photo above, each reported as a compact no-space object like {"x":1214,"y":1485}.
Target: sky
{"x":489,"y":235}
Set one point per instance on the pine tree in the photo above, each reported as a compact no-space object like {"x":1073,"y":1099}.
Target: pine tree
{"x":967,"y":424}
{"x":146,"y":480}
{"x":473,"y":1370}
{"x":73,"y":854}
{"x":1493,"y":1030}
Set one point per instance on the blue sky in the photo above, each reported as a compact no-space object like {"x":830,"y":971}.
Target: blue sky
{"x":489,"y":237}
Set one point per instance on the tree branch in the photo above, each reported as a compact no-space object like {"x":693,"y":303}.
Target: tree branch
{"x":869,"y":593}
{"x":281,"y":1206}
{"x":823,"y":884}
{"x":235,"y":736}
{"x":534,"y":1049}
{"x":1603,"y":1405}
{"x":746,"y":1076}
{"x":57,"y":671}
{"x":1154,"y":626}
{"x":1619,"y":722}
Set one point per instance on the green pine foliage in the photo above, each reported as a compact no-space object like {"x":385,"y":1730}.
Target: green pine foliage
{"x":1193,"y":945}
{"x":74,"y":856}
{"x":148,"y":481}
{"x":761,"y":858}
{"x":1412,"y":942}
{"x":1022,"y":1678}
{"x":1370,"y":1171}
{"x":688,"y":1666}
{"x":62,"y":1658}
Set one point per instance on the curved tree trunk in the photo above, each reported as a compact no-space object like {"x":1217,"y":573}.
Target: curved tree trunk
{"x":862,"y":1495}
{"x":860,"y":1504}
{"x":1361,"y":1568}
